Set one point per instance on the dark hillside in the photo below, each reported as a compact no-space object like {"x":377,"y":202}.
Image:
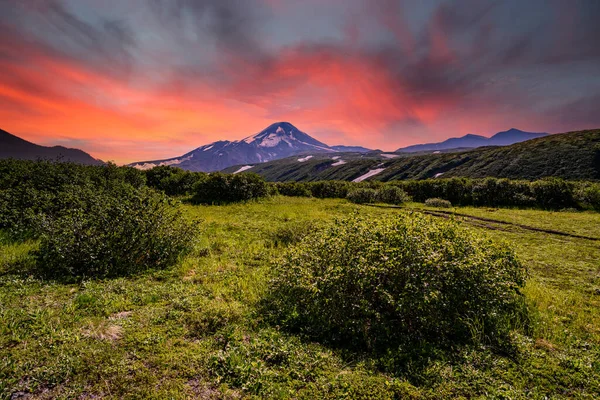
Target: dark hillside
{"x":12,"y":146}
{"x":572,"y":156}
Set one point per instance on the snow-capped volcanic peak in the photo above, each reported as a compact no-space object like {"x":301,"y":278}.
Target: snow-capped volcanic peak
{"x":279,"y":140}
{"x":286,"y":135}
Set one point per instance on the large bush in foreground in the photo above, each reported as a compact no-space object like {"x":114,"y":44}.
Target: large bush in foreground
{"x":113,"y":232}
{"x":228,"y":188}
{"x":397,"y":284}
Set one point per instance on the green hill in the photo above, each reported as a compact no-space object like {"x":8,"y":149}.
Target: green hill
{"x":573,"y":156}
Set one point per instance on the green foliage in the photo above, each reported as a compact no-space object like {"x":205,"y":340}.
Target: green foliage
{"x":435,"y":202}
{"x":329,"y":189}
{"x":362,"y":195}
{"x":173,"y":181}
{"x":588,"y":195}
{"x":29,"y":190}
{"x":401,"y":283}
{"x":220,"y":188}
{"x":392,"y":195}
{"x":294,"y":189}
{"x":292,"y":233}
{"x":553,"y":193}
{"x":194,"y":331}
{"x":113,"y":232}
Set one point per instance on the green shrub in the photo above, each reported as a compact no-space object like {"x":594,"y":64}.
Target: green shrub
{"x":397,"y":284}
{"x":392,"y":195}
{"x":228,"y":188}
{"x":553,"y":193}
{"x":329,"y":189}
{"x":588,"y":195}
{"x":293,"y":189}
{"x":292,"y":233}
{"x":30,"y":190}
{"x":109,"y":233}
{"x":435,"y":202}
{"x":362,"y":195}
{"x":173,"y":181}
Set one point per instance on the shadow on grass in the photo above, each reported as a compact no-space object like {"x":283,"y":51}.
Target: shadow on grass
{"x":406,"y":359}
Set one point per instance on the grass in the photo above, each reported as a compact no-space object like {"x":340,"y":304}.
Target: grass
{"x":194,"y":330}
{"x":586,"y":223}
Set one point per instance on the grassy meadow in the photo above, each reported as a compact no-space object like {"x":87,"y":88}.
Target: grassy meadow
{"x":196,"y":330}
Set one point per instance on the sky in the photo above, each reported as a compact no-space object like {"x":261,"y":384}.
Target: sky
{"x":152,"y":79}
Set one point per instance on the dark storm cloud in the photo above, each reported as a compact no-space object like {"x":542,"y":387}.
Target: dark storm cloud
{"x":49,"y":27}
{"x":232,"y":23}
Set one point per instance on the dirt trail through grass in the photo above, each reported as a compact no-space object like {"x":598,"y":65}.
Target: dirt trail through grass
{"x":473,"y":220}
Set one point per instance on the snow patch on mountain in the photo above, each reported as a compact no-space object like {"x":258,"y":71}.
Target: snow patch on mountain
{"x":340,"y":162}
{"x":369,"y":174}
{"x":271,"y":141}
{"x":242,"y":169}
{"x":150,"y":165}
{"x":305,"y":158}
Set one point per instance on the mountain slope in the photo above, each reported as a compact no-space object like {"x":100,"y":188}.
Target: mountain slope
{"x":12,"y":146}
{"x":504,"y":138}
{"x":573,"y":155}
{"x":356,"y":149}
{"x":277,"y":141}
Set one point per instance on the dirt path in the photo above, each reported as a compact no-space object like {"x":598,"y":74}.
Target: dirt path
{"x":486,"y":222}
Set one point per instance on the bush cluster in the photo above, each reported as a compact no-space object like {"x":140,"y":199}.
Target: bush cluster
{"x":402,"y":283}
{"x":362,"y":195}
{"x":385,"y":194}
{"x":90,"y":220}
{"x":220,"y":188}
{"x":549,"y":193}
{"x":32,"y":189}
{"x":440,"y":203}
{"x":114,"y":232}
{"x":173,"y":181}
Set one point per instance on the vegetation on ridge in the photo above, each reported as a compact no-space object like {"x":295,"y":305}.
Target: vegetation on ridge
{"x":572,"y":156}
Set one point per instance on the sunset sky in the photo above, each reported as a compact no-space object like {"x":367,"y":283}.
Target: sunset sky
{"x":131,"y":80}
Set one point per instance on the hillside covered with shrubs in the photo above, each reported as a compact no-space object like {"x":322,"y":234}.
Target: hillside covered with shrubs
{"x":570,"y":156}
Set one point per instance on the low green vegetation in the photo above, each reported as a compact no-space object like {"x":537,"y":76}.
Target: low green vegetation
{"x":110,"y":289}
{"x":549,"y":193}
{"x":400,"y":287}
{"x":362,"y":195}
{"x":220,"y":188}
{"x":440,"y":203}
{"x":114,"y":232}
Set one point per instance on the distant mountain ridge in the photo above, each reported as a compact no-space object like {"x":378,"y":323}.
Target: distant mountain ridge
{"x":278,"y":140}
{"x":351,"y":149}
{"x":12,"y":146}
{"x":504,"y":138}
{"x":282,"y":139}
{"x":571,"y":155}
